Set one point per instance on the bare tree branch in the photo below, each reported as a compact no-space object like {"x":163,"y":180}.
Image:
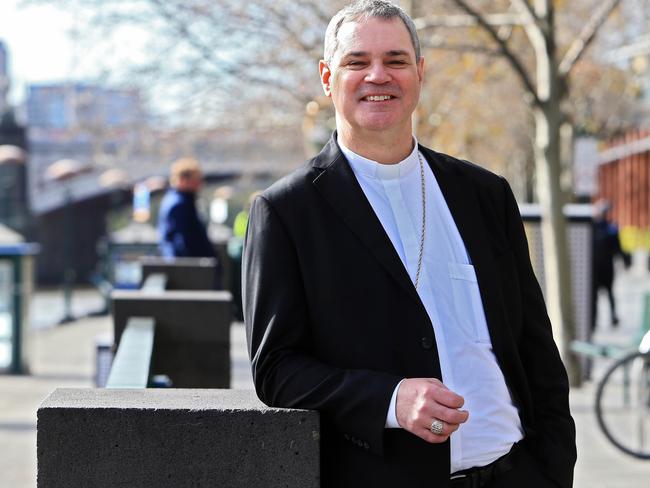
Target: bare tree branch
{"x":437,"y":42}
{"x":184,"y":31}
{"x":582,"y":42}
{"x":538,"y":28}
{"x":460,"y":20}
{"x":503,"y":47}
{"x":526,"y":9}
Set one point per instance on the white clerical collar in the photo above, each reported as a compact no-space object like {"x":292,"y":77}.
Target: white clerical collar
{"x":373,"y":169}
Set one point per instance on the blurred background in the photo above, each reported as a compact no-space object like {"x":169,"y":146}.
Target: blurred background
{"x":98,"y":97}
{"x":122,"y":88}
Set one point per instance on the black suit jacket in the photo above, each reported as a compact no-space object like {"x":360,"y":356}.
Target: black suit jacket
{"x":334,"y":322}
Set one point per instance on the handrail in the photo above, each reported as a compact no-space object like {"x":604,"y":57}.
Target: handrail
{"x":132,"y":361}
{"x":155,"y":282}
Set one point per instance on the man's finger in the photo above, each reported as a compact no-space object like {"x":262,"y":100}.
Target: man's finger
{"x":450,"y":415}
{"x":447,"y":428}
{"x":446,"y":397}
{"x":426,"y":434}
{"x":436,"y":381}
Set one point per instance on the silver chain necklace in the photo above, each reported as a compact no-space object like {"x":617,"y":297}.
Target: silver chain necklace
{"x":424,"y":206}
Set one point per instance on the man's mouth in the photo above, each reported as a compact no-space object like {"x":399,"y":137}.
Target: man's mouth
{"x":377,"y":98}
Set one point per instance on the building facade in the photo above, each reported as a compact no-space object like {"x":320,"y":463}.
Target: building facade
{"x":91,"y":124}
{"x":624,"y":181}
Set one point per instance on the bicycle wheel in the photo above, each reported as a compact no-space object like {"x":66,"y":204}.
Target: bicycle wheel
{"x":623,"y":404}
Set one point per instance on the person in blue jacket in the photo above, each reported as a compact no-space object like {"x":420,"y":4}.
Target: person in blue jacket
{"x":182,"y":234}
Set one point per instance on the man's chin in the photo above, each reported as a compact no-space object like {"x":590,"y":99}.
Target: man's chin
{"x":386,"y":123}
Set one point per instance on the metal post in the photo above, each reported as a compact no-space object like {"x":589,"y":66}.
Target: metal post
{"x":16,"y":337}
{"x":68,"y":270}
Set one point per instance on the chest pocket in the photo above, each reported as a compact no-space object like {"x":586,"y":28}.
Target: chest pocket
{"x":468,"y":305}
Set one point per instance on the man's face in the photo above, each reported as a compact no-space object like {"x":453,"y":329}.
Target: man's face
{"x":374,"y":79}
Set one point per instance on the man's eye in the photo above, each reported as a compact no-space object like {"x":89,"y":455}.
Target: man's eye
{"x":356,"y":63}
{"x":397,"y":62}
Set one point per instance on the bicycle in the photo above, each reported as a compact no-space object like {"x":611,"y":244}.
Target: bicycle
{"x":623,"y":402}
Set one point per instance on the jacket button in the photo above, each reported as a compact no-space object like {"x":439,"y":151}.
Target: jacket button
{"x":426,"y":342}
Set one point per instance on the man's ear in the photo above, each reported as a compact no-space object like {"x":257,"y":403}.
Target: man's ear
{"x":421,"y":70}
{"x":325,"y":77}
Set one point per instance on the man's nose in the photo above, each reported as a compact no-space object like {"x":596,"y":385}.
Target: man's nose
{"x":377,"y":73}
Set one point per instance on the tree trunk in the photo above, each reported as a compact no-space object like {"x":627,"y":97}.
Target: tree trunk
{"x":548,"y":119}
{"x":551,"y":90}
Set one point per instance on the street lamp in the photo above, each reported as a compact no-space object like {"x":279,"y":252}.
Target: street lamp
{"x":64,"y":171}
{"x":12,"y":255}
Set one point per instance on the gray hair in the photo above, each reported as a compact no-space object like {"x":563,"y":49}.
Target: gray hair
{"x":362,"y":10}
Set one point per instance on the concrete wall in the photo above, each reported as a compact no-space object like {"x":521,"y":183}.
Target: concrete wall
{"x":192,"y":341}
{"x":174,"y":438}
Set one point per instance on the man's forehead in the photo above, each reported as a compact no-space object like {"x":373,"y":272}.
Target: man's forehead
{"x":389,"y":36}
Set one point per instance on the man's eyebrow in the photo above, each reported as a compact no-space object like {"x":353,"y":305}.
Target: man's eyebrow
{"x":398,"y":52}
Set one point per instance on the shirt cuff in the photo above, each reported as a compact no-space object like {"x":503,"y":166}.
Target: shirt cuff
{"x":391,"y":417}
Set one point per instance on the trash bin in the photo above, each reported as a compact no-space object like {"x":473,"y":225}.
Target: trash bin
{"x":16,"y":284}
{"x":579,"y":235}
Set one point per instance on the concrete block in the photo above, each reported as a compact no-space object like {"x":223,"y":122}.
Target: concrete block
{"x":182,"y":273}
{"x":174,"y":438}
{"x":192,"y":342}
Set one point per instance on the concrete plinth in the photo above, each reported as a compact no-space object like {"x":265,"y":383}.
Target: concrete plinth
{"x":192,"y":342}
{"x":182,"y":273}
{"x":174,"y":438}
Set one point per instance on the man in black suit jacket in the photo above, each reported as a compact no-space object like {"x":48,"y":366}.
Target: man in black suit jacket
{"x":348,"y":297}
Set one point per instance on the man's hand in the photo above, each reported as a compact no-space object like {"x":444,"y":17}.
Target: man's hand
{"x":420,"y":401}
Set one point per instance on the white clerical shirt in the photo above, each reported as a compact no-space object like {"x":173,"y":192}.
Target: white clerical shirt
{"x":450,"y":294}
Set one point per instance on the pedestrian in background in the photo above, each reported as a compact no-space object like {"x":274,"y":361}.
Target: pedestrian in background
{"x":606,"y":246}
{"x":182,"y":233}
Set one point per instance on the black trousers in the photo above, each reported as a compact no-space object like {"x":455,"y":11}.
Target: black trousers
{"x":526,"y":473}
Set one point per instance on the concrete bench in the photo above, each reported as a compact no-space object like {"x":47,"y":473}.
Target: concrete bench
{"x":174,"y":438}
{"x":182,"y":273}
{"x":594,"y":350}
{"x":192,"y":340}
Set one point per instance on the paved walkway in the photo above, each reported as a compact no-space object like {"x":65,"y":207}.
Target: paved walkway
{"x":63,"y":356}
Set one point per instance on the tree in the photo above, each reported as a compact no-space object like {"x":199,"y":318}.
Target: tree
{"x":252,"y":63}
{"x":547,"y":88}
{"x":217,"y":57}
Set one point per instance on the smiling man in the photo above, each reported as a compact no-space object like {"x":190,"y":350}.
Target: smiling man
{"x":389,"y":287}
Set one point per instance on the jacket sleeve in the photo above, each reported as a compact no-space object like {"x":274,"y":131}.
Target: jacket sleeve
{"x":545,"y":373}
{"x":286,"y":369}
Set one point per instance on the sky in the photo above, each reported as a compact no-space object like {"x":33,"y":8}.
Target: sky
{"x":38,"y":44}
{"x":41,"y":47}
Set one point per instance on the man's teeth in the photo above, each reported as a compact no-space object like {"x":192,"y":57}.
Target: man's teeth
{"x":378,"y":98}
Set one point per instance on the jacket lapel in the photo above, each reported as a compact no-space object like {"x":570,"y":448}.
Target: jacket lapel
{"x":466,"y":211}
{"x":338,"y":185}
